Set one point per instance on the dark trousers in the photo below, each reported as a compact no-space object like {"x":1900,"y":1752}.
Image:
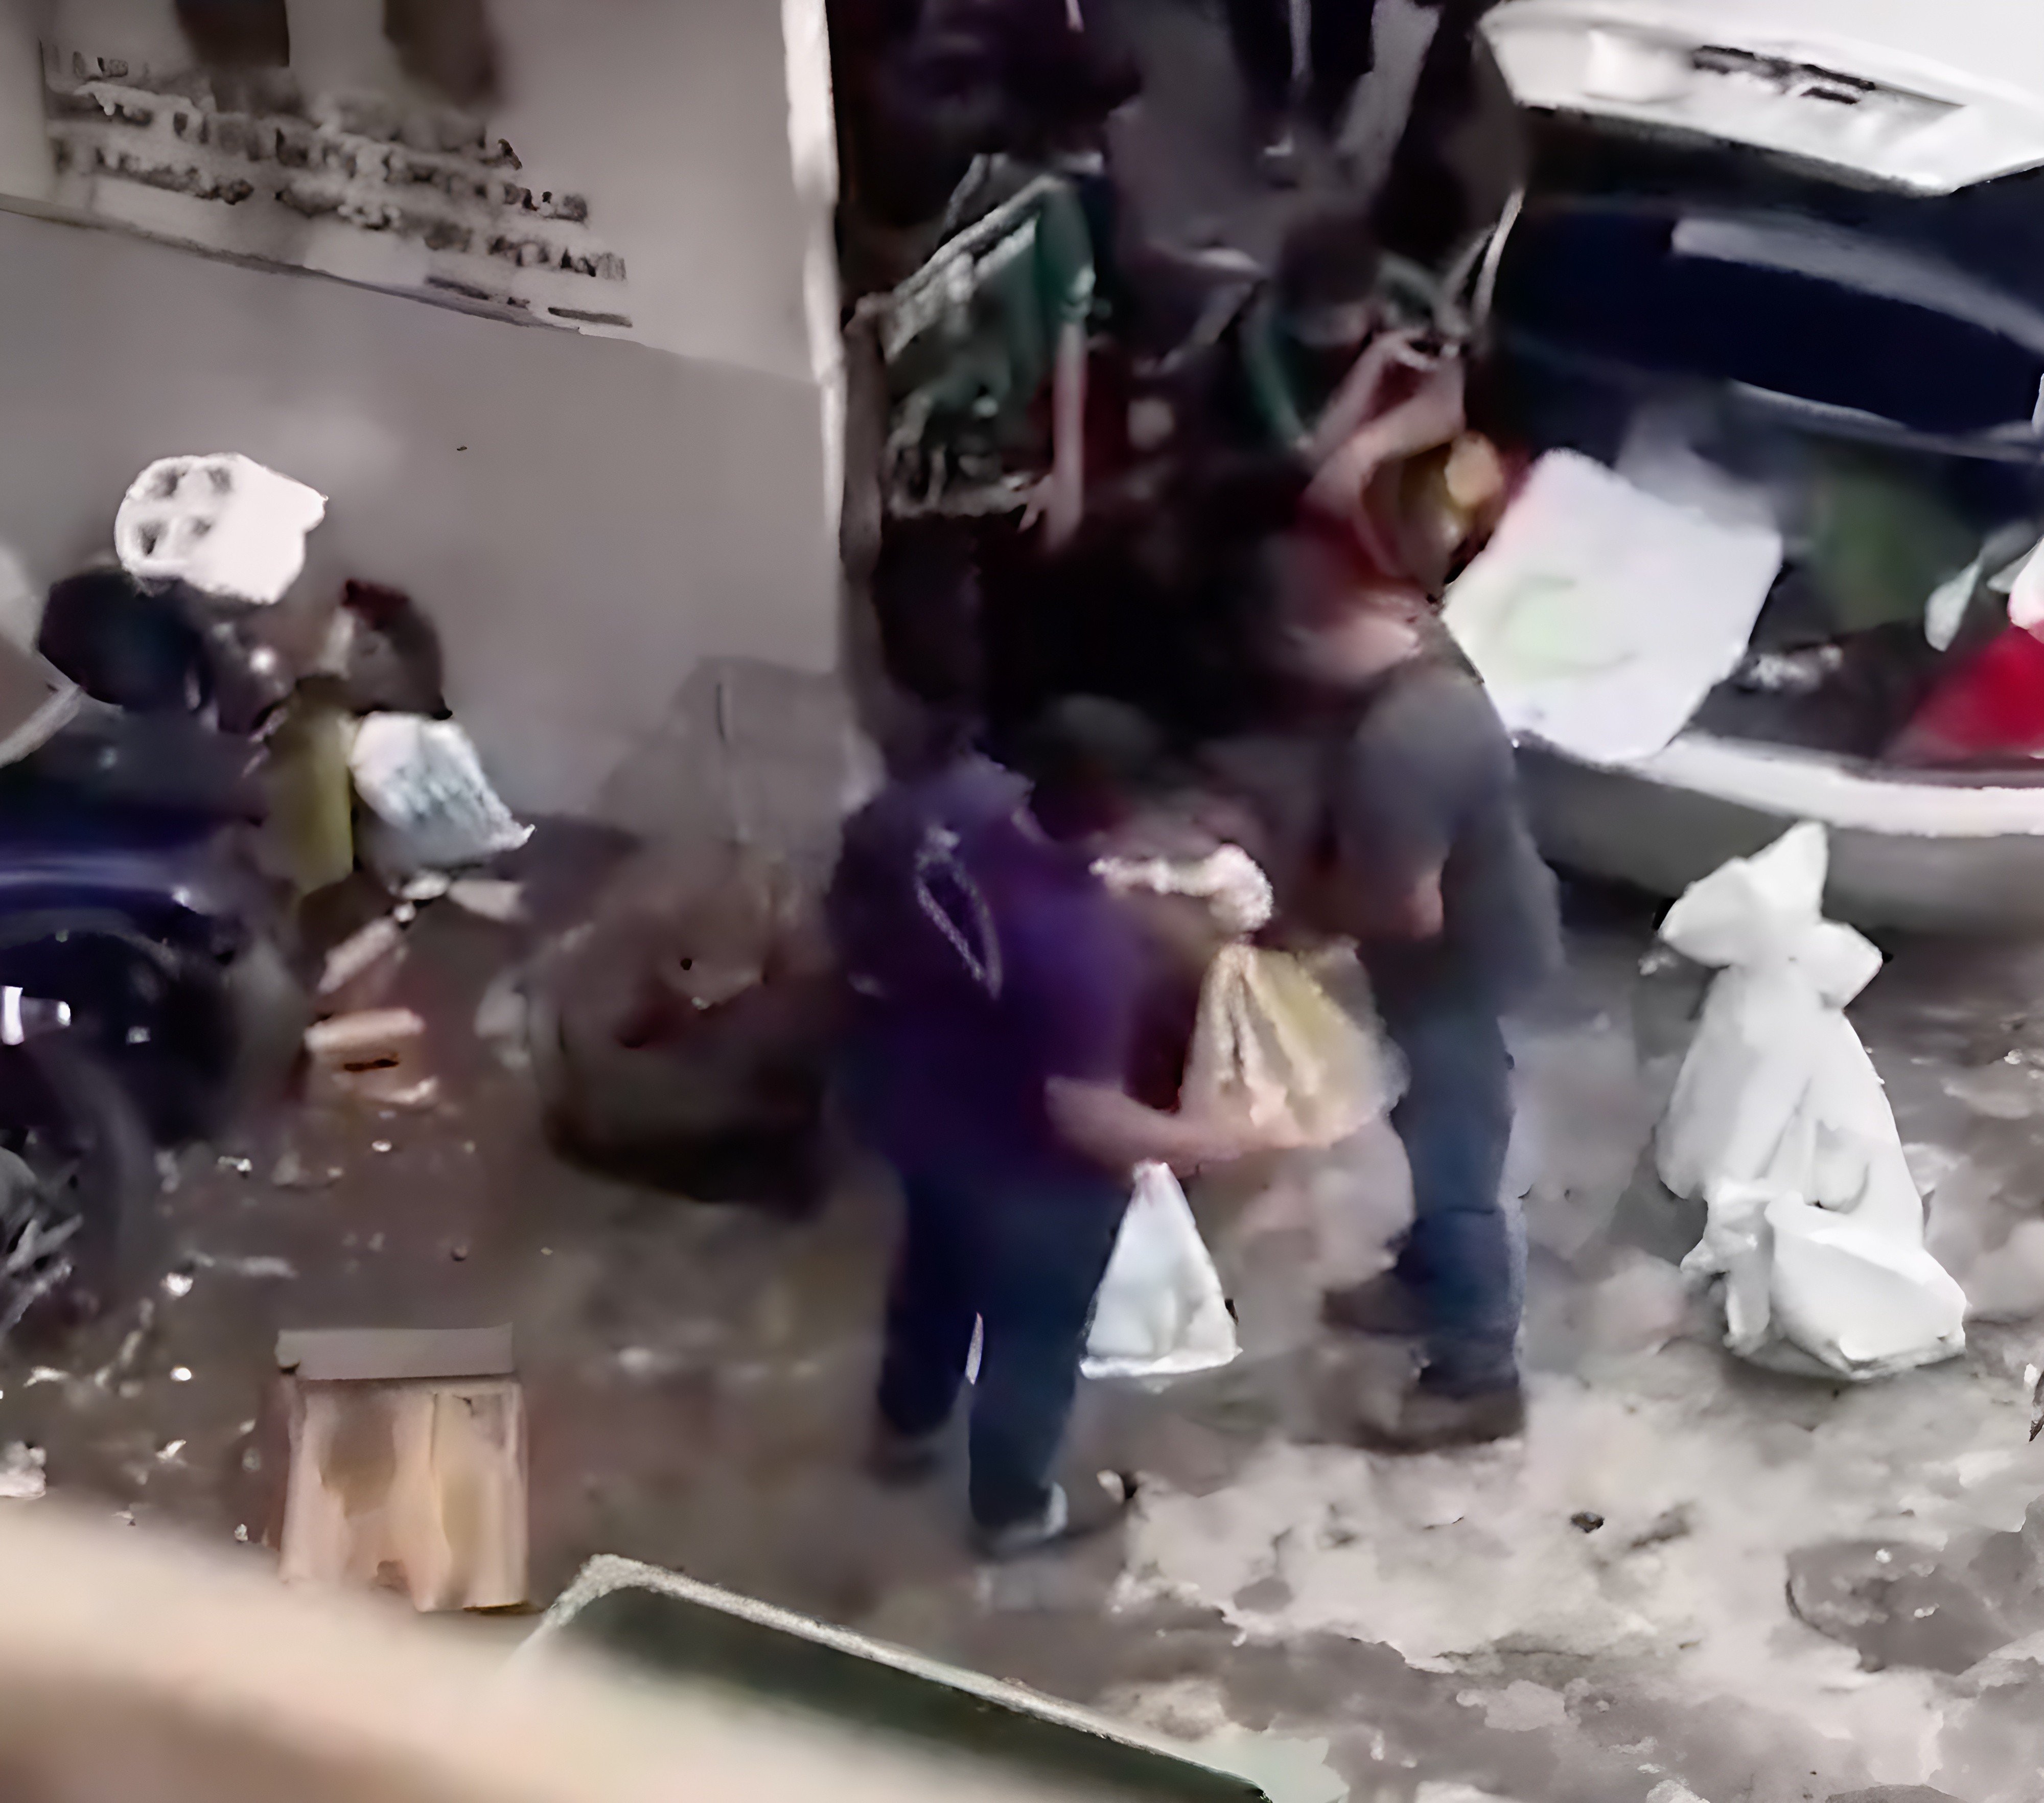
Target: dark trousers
{"x":1339,"y":50}
{"x":1466,"y":1256}
{"x":1025,"y":1260}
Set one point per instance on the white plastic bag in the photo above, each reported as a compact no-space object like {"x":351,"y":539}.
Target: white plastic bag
{"x":223,"y":523}
{"x":1780,"y":1122}
{"x":1160,"y":1312}
{"x":1805,"y":1283}
{"x":423,"y":779}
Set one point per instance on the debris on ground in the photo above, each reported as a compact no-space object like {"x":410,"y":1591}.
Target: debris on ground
{"x":357,"y":973}
{"x":375,"y":1056}
{"x":490,"y":898}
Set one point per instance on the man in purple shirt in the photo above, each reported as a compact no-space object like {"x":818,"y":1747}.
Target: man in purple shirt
{"x":996,"y":986}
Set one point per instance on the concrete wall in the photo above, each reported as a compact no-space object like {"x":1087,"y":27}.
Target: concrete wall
{"x":593,"y":523}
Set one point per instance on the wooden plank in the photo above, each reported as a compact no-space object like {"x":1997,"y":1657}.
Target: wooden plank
{"x":417,"y":1487}
{"x":354,"y":1354}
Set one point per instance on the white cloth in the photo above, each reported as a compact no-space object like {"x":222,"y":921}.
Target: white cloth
{"x":1599,"y":616}
{"x":1780,"y":1123}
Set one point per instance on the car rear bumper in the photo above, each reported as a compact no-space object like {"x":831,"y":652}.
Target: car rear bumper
{"x":1925,"y":853}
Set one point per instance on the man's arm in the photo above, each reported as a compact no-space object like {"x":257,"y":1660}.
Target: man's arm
{"x":1110,"y":1126}
{"x":1064,"y":504}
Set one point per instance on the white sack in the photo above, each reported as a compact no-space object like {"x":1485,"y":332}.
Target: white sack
{"x":1600,"y":616}
{"x":1160,"y":1312}
{"x":1780,"y":1122}
{"x":224,"y":523}
{"x":423,"y":779}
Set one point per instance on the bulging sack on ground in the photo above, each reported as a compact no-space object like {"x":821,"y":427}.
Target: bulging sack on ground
{"x":1270,"y":1039}
{"x":1161,"y":1312}
{"x":1780,"y":1123}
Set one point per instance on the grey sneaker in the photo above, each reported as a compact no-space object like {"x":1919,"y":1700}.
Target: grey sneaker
{"x":1062,"y":1522}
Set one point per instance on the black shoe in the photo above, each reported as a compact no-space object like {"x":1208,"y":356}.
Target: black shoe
{"x":1431,"y":1420}
{"x":1063,"y":1521}
{"x":897,"y":1460}
{"x":1384,"y":1304}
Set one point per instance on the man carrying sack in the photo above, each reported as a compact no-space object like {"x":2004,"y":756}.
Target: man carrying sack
{"x":996,"y":990}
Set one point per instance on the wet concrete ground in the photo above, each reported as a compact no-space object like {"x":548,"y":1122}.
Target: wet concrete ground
{"x":697,"y":1380}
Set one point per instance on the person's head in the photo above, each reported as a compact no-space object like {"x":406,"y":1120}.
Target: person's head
{"x":1325,"y":279}
{"x":1092,"y":764}
{"x":1062,"y":84}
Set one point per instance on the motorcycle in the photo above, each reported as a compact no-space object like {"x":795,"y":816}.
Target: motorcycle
{"x":142,"y":972}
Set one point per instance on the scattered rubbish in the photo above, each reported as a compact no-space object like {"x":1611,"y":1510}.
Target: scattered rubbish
{"x":263,"y":1264}
{"x":435,"y":1426}
{"x":458,"y":1251}
{"x":359,"y":972}
{"x":1161,"y":1312}
{"x":167,"y":1453}
{"x":240,"y":1166}
{"x":641,"y":1362}
{"x":501,"y":1020}
{"x":1587,"y":1519}
{"x":241,"y":1532}
{"x":427,"y":886}
{"x":181,"y":1374}
{"x":222,"y":523}
{"x":1779,"y":1121}
{"x":373,"y":1056}
{"x":22,"y":1477}
{"x":423,"y":779}
{"x":130,"y":1348}
{"x":1551,"y":612}
{"x":379,"y":1146}
{"x":494,"y":898}
{"x":177,"y":1283}
{"x":45,"y":1373}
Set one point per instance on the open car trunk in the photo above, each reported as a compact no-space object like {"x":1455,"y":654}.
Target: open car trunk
{"x":1861,"y":369}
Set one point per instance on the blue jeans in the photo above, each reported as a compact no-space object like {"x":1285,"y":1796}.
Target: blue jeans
{"x":1025,"y":1260}
{"x":1466,"y":1256}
